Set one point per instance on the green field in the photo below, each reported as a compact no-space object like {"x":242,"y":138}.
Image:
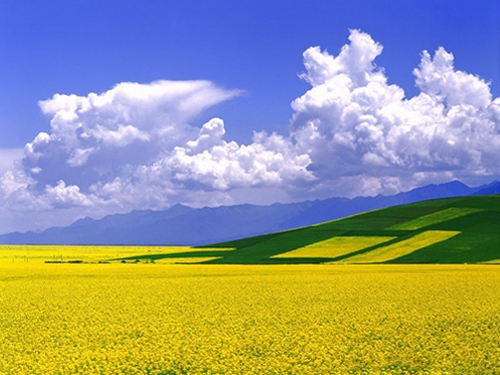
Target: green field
{"x":452,"y":230}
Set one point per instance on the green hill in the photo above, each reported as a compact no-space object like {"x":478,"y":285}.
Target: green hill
{"x":452,"y":230}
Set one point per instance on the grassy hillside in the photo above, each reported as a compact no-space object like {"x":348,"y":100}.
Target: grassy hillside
{"x":452,"y":230}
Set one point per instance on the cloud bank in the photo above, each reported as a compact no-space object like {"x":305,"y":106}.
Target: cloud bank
{"x":133,"y":147}
{"x":352,"y":133}
{"x":365,"y":137}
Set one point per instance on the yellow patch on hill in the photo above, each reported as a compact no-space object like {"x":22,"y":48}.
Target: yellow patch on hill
{"x":435,"y":218}
{"x":402,"y":248}
{"x":334,"y":247}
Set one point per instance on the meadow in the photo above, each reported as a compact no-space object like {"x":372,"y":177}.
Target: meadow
{"x":145,"y":318}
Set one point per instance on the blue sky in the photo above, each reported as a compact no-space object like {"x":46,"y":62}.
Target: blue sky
{"x":112,"y":106}
{"x":89,"y":46}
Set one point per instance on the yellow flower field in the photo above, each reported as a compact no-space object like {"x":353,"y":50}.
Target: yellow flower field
{"x":405,"y":247}
{"x":88,"y":253}
{"x":334,"y":247}
{"x":227,"y":319}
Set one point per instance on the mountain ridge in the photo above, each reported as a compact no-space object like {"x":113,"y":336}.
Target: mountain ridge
{"x":183,"y":225}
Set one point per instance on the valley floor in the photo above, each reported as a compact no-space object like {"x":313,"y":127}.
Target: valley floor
{"x":233,"y":319}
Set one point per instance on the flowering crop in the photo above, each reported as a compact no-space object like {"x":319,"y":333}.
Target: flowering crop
{"x":88,"y":253}
{"x":335,"y":247}
{"x":401,"y":248}
{"x":232,"y":319}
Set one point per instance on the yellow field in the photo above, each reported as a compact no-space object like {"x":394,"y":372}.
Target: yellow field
{"x":42,"y":253}
{"x":223,"y":319}
{"x":401,"y":248}
{"x":334,"y":247}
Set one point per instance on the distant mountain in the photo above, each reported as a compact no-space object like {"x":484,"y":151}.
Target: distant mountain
{"x":490,"y":189}
{"x":178,"y":225}
{"x":181,"y":225}
{"x":335,"y":208}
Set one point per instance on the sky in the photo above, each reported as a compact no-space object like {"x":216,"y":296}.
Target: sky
{"x":111,"y":106}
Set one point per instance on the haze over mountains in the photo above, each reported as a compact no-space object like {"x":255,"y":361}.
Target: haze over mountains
{"x":182,"y":225}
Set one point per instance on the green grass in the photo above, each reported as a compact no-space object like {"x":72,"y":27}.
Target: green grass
{"x":452,"y":230}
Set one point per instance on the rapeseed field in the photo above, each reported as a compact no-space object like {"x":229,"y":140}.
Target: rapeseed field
{"x":334,"y":247}
{"x":92,"y":254}
{"x":233,"y":319}
{"x":402,"y":248}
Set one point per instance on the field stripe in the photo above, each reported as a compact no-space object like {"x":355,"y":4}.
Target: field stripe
{"x":402,"y":248}
{"x":185,"y":260}
{"x":494,"y":261}
{"x":334,"y":247}
{"x":435,"y":218}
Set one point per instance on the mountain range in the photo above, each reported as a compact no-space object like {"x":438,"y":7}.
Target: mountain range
{"x":182,"y":225}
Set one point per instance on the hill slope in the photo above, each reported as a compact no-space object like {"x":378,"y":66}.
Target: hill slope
{"x":451,"y":230}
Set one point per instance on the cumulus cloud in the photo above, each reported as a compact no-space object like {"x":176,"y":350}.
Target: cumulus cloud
{"x":8,"y":157}
{"x":135,"y":147}
{"x":142,"y":146}
{"x":437,"y":77}
{"x":364,"y":136}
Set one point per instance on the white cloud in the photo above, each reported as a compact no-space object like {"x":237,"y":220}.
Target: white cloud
{"x":357,"y":128}
{"x":437,"y":77}
{"x":62,"y":195}
{"x":8,"y":158}
{"x":136,"y":146}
